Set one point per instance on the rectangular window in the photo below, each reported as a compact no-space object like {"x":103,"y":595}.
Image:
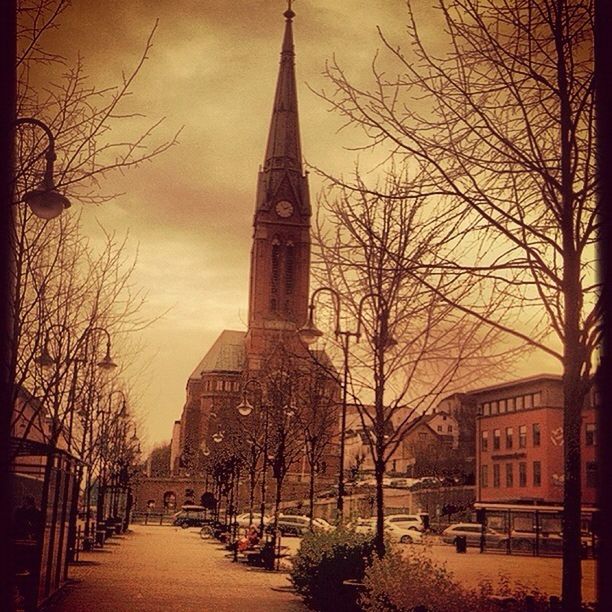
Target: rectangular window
{"x":591,"y":434}
{"x":496,"y":438}
{"x":502,"y":406}
{"x":519,"y":403}
{"x":486,"y":408}
{"x":537,"y":399}
{"x":484,"y":441}
{"x":439,"y":427}
{"x":509,"y":434}
{"x":537,"y":434}
{"x":509,"y":475}
{"x":496,"y":475}
{"x":591,"y":474}
{"x":484,"y":476}
{"x":494,"y":408}
{"x":219,"y":385}
{"x":523,"y":436}
{"x":522,"y":474}
{"x":528,"y":401}
{"x":537,"y":474}
{"x":512,"y":404}
{"x":449,"y":428}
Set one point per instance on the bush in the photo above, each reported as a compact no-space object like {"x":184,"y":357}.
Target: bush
{"x":324,"y":562}
{"x":399,"y":583}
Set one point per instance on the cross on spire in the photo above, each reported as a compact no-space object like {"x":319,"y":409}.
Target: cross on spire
{"x":289,"y":14}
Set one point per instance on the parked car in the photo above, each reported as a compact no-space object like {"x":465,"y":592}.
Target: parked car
{"x":297,"y":525}
{"x":403,"y":532}
{"x":418,"y":522}
{"x":190,"y":516}
{"x":322,"y":525}
{"x":472,"y":534}
{"x":363,"y":525}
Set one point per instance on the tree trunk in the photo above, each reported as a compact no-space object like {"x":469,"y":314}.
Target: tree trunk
{"x":380,"y":508}
{"x":311,"y":493}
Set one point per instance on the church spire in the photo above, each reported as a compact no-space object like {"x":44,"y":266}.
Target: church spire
{"x":283,"y":150}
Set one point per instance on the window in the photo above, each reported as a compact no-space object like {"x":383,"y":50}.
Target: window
{"x":509,"y":434}
{"x":537,"y":399}
{"x":523,"y":436}
{"x":439,"y":427}
{"x":537,"y":435}
{"x":484,"y":476}
{"x":486,"y":409}
{"x":289,"y":268}
{"x":496,"y":475}
{"x":494,"y":408}
{"x":591,"y":474}
{"x":219,"y":385}
{"x":522,"y":474}
{"x":502,"y":406}
{"x":275,"y":274}
{"x":449,"y":428}
{"x":512,"y":404}
{"x":528,"y":401}
{"x":509,"y":475}
{"x":496,"y":438}
{"x":537,"y":474}
{"x":422,"y":436}
{"x":484,"y":441}
{"x":591,"y":434}
{"x":519,"y":403}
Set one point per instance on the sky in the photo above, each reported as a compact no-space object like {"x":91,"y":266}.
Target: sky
{"x":211,"y":73}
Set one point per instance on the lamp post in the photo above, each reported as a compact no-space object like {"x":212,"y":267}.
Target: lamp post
{"x":45,"y":201}
{"x":309,"y":334}
{"x":245,"y":408}
{"x":45,"y":360}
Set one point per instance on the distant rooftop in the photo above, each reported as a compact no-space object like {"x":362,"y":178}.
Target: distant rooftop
{"x":516,"y":383}
{"x":225,"y":355}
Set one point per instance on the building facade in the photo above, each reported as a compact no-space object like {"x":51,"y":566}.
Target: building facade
{"x":520,"y":443}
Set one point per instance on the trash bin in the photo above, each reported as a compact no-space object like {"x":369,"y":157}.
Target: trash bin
{"x":461,"y":544}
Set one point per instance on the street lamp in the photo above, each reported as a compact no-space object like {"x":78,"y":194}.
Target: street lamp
{"x":44,"y":201}
{"x":245,"y":408}
{"x":46,"y":360}
{"x":310,"y":333}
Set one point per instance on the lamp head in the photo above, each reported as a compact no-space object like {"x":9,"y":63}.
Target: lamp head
{"x":310,"y":333}
{"x":245,"y":407}
{"x":46,"y":202}
{"x":44,"y":360}
{"x":107,"y":363}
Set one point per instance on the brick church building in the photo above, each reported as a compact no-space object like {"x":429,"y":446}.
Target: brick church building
{"x":278,"y":288}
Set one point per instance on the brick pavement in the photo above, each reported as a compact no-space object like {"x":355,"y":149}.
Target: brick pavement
{"x":170,"y":569}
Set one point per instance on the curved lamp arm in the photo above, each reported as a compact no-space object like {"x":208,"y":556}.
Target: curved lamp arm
{"x":45,"y":202}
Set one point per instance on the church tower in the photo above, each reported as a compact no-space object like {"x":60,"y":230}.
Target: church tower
{"x":280,"y":253}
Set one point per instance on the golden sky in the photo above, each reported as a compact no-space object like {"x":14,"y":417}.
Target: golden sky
{"x":212,"y":70}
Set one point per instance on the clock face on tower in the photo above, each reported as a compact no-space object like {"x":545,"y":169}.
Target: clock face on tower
{"x":284,"y":208}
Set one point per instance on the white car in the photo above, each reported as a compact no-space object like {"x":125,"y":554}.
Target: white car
{"x":409,"y":521}
{"x":363,"y":525}
{"x":403,"y":532}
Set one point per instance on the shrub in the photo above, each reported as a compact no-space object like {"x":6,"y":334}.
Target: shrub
{"x":324,"y":562}
{"x":399,"y":583}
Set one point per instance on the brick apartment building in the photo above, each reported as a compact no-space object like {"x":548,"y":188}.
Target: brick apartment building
{"x":519,"y":435}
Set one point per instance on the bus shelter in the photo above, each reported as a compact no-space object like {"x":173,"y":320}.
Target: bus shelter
{"x":43,"y":481}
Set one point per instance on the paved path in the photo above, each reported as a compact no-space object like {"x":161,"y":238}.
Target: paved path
{"x":170,"y":569}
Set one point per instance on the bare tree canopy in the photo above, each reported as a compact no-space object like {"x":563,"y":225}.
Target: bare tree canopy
{"x":497,"y":120}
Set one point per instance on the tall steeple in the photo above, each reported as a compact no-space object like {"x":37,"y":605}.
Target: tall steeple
{"x":280,"y":254}
{"x":283,"y":156}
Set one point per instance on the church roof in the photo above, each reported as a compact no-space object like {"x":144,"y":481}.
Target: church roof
{"x":225,"y":355}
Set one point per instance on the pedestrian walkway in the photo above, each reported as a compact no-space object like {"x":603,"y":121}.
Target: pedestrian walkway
{"x":170,"y":569}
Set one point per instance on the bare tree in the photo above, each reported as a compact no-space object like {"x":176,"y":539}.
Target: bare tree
{"x":416,"y":346}
{"x":500,"y":119}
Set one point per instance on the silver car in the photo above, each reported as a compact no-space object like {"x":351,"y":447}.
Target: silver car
{"x":472,"y":533}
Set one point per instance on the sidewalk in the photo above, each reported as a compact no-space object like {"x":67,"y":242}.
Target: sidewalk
{"x":170,"y":569}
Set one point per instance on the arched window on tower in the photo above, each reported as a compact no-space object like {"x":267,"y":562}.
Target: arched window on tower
{"x":276,"y":272}
{"x":289,"y":268}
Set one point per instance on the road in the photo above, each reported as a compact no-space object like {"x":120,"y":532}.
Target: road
{"x":170,"y":569}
